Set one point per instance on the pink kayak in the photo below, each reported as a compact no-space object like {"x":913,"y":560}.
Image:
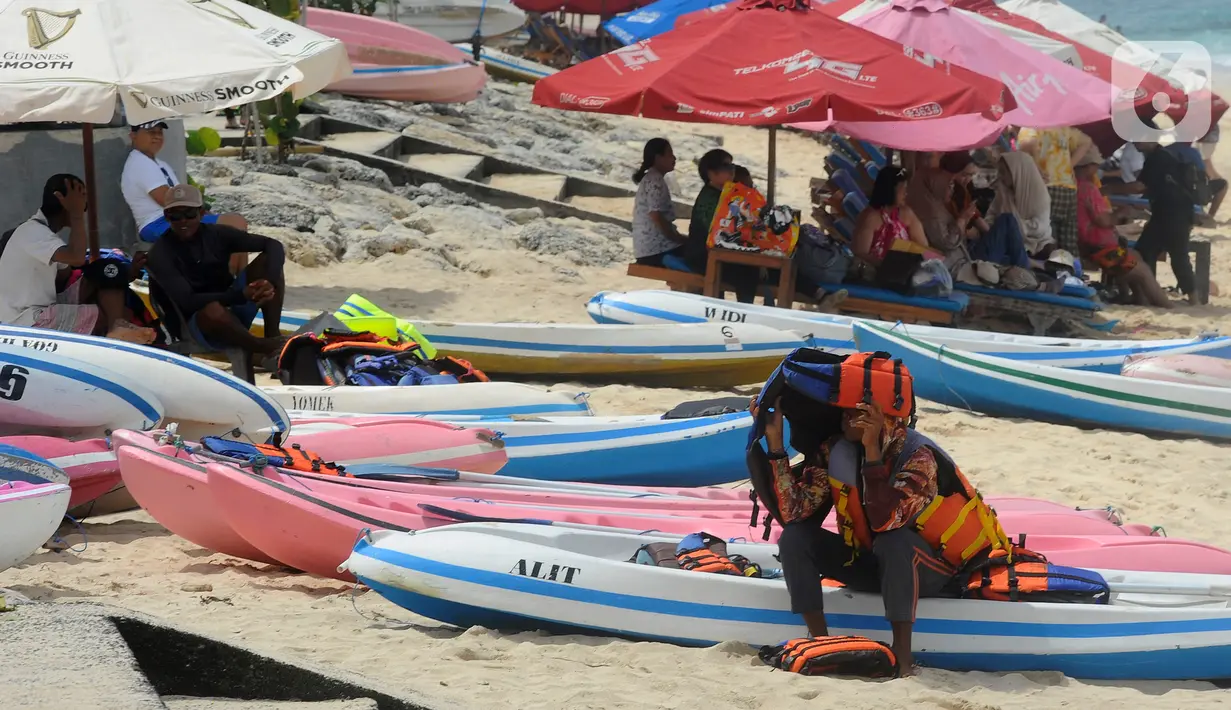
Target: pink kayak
{"x":29,"y":516}
{"x":90,"y":464}
{"x":396,"y":61}
{"x":1185,"y":369}
{"x":307,"y":525}
{"x":411,"y":442}
{"x":642,"y":513}
{"x":176,"y":493}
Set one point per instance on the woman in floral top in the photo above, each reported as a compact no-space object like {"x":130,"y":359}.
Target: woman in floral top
{"x":654,"y":233}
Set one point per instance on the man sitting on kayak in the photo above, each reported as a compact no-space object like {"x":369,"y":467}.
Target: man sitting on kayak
{"x":191,"y":266}
{"x":908,"y":522}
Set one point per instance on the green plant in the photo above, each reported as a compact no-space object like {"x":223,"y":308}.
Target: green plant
{"x":203,"y":140}
{"x":286,"y":9}
{"x":200,"y":187}
{"x":358,"y":7}
{"x":280,"y":116}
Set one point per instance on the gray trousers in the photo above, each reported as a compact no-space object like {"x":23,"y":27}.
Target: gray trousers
{"x":902,"y":567}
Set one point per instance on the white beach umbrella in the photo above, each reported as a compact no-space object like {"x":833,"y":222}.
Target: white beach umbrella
{"x":1064,"y":20}
{"x":70,"y":60}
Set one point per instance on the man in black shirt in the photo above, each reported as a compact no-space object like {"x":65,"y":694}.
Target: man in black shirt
{"x":1171,"y":214}
{"x":191,"y":266}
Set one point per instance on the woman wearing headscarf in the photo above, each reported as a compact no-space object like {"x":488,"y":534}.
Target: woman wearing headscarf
{"x":654,"y":233}
{"x":964,"y":235}
{"x":1021,"y":192}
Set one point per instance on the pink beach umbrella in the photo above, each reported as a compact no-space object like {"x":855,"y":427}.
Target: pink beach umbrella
{"x":1049,"y":92}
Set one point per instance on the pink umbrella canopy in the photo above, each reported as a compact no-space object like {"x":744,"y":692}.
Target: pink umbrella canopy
{"x":1049,"y":92}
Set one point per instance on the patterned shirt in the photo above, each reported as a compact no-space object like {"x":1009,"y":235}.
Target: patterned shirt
{"x":652,"y":196}
{"x":889,"y":500}
{"x":1055,"y":153}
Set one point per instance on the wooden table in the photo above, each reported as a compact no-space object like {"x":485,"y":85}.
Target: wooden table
{"x":719,"y":256}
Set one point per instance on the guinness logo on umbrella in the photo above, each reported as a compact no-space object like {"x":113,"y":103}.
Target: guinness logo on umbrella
{"x":222,"y":11}
{"x":44,"y":27}
{"x":139,"y":96}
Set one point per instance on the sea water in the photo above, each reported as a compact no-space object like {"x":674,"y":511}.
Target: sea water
{"x":1205,"y":21}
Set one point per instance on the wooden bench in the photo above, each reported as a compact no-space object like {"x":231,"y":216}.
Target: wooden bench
{"x":785,"y":265}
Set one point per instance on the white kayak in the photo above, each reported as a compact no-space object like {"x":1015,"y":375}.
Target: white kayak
{"x":202,"y":399}
{"x":833,"y":332}
{"x":29,"y":516}
{"x":1186,"y":369}
{"x":45,"y":392}
{"x":473,"y":399}
{"x":457,"y":20}
{"x":508,"y":66}
{"x":515,"y":576}
{"x":715,"y":355}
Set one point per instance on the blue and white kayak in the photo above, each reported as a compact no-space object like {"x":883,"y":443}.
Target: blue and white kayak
{"x":633,"y":451}
{"x":833,"y":332}
{"x":202,"y":399}
{"x":1008,"y":388}
{"x":483,"y":400}
{"x":716,"y":355}
{"x":45,"y":392}
{"x":563,"y":580}
{"x":507,"y":66}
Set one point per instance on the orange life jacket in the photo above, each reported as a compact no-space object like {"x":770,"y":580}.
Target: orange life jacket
{"x":298,"y":458}
{"x":875,"y":377}
{"x":706,"y":560}
{"x":1018,"y":574}
{"x":836,"y":655}
{"x":956,"y":523}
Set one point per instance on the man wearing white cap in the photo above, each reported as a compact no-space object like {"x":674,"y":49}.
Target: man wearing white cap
{"x":190,"y":265}
{"x":147,"y":179}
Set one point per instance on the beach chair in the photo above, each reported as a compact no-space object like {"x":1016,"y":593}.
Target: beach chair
{"x":874,"y":154}
{"x":845,"y":228}
{"x":558,"y":41}
{"x":853,"y":204}
{"x":837,"y":161}
{"x":182,"y":342}
{"x":843,"y":181}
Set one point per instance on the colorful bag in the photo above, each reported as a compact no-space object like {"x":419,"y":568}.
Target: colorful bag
{"x":1026,"y":576}
{"x":742,"y":222}
{"x":698,"y":552}
{"x":295,"y":458}
{"x":832,"y":655}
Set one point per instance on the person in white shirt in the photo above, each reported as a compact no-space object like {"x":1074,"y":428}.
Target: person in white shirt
{"x":147,"y":180}
{"x":36,"y":266}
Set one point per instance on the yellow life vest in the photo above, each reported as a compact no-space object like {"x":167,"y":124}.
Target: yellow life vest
{"x":956,"y":523}
{"x":360,"y":314}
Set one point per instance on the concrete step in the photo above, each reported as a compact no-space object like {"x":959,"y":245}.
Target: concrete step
{"x":361,"y":141}
{"x":547,"y":186}
{"x":454,"y":165}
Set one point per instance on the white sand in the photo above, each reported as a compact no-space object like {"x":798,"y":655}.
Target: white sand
{"x":133,"y":562}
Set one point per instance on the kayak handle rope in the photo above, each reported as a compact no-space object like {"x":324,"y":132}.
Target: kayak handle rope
{"x":940,"y":354}
{"x":85,"y":542}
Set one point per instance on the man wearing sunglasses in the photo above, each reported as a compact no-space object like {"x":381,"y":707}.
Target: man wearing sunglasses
{"x":191,"y":266}
{"x":146,"y":182}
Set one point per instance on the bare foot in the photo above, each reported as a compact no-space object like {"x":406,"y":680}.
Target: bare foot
{"x":129,"y":333}
{"x":829,"y":303}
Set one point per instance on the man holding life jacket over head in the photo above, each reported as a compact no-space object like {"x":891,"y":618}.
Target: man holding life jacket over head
{"x":909,"y":523}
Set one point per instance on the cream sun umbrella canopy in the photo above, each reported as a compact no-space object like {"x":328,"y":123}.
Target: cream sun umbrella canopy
{"x":71,"y":60}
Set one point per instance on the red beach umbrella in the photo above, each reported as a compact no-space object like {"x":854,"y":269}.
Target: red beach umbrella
{"x":769,"y":62}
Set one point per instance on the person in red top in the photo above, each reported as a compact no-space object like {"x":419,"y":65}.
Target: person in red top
{"x":886,"y":219}
{"x":1099,"y":242}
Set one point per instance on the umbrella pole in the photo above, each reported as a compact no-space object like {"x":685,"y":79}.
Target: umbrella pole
{"x":773,"y":165}
{"x":87,"y":149}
